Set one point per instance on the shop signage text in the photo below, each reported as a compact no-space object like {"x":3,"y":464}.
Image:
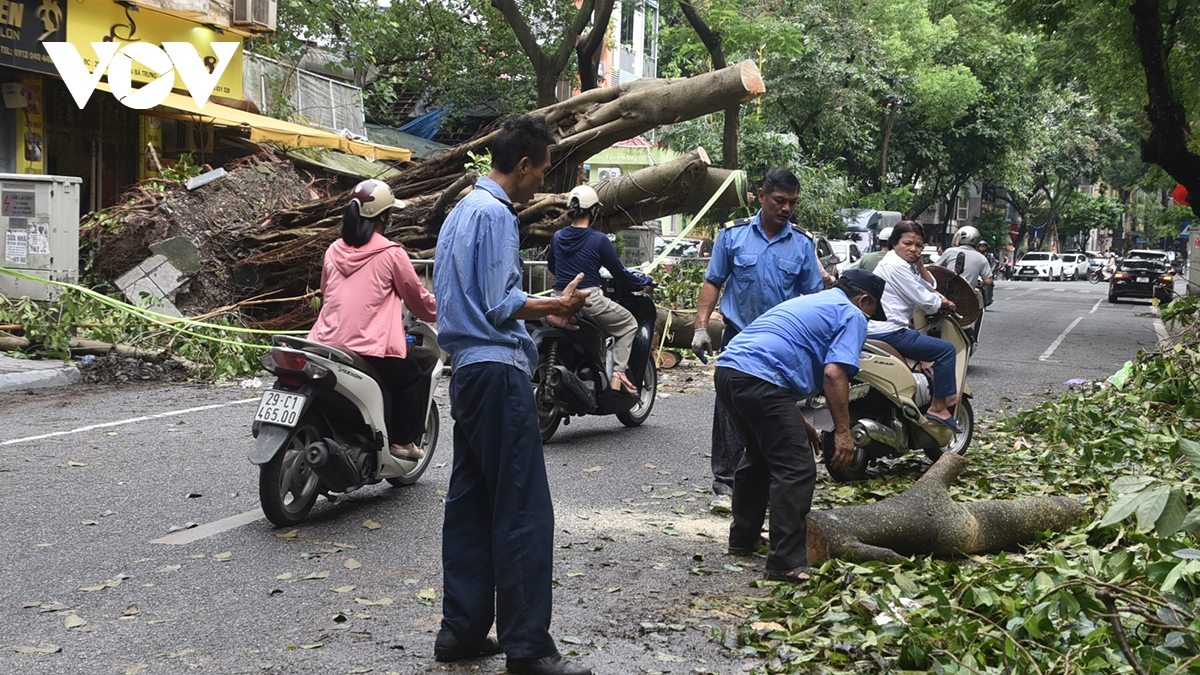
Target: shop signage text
{"x":199,"y":75}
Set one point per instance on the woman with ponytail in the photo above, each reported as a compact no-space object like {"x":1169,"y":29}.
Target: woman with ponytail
{"x":367,"y":281}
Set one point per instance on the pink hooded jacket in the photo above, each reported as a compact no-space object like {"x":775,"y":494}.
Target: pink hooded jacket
{"x":366,"y":290}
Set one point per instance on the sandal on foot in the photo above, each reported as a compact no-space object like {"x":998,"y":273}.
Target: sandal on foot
{"x":797,"y":575}
{"x":949,"y":422}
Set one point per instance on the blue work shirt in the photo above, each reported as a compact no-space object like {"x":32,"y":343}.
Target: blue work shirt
{"x":761,"y":273}
{"x":790,"y":345}
{"x":477,"y":281}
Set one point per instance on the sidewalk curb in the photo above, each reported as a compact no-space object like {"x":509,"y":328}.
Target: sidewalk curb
{"x":38,"y":379}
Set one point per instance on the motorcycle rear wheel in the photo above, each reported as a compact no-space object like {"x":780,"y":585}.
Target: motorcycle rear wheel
{"x":428,"y":443}
{"x":649,"y":391}
{"x":856,"y":470}
{"x":287,"y":487}
{"x":964,"y":414}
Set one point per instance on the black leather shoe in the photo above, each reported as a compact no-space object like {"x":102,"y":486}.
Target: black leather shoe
{"x":547,"y":665}
{"x":748,"y":550}
{"x":447,"y":647}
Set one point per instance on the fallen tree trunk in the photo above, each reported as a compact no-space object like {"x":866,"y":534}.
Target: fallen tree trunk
{"x":924,"y":520}
{"x":80,"y":346}
{"x":258,"y":238}
{"x":680,"y":327}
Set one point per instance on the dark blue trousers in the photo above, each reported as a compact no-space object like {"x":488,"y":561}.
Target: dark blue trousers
{"x":916,"y":345}
{"x":727,"y":447}
{"x":498,"y":536}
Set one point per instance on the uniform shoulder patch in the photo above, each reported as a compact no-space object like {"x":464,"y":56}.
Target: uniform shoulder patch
{"x":802,"y":231}
{"x":738,"y":223}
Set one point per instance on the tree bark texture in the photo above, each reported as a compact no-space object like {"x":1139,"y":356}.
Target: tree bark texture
{"x":924,"y":520}
{"x":1167,"y":145}
{"x":680,"y":326}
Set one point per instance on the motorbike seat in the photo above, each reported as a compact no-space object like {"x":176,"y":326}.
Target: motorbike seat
{"x":880,"y":344}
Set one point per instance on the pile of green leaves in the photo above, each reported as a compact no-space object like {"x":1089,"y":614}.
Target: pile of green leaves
{"x":1118,"y":593}
{"x":220,"y":347}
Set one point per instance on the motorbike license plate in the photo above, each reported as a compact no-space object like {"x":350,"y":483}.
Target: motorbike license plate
{"x":1142,"y":280}
{"x":282,"y":408}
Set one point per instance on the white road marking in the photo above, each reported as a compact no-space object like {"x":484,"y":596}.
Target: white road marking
{"x":1159,"y":328}
{"x":209,"y":529}
{"x":1058,"y":341}
{"x":1096,"y":306}
{"x":118,"y":423}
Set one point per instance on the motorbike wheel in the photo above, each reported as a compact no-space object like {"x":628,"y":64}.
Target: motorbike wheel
{"x":964,"y":414}
{"x":428,"y":444}
{"x":287,"y":487}
{"x":1094,"y":277}
{"x":638,"y":413}
{"x":548,"y":421}
{"x":856,"y":470}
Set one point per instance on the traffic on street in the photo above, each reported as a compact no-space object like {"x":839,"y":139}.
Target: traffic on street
{"x":135,"y":541}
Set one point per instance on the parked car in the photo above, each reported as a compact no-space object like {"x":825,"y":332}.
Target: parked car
{"x":1142,"y":278}
{"x":825,"y":253}
{"x":848,"y":251}
{"x":1039,"y":265}
{"x":1095,"y":261}
{"x":1147,"y":254}
{"x":1075,"y":265}
{"x":687,"y":247}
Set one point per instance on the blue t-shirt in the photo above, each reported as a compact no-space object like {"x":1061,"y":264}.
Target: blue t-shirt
{"x":477,"y":281}
{"x":790,"y":345}
{"x":759,"y":273}
{"x":582,"y":249}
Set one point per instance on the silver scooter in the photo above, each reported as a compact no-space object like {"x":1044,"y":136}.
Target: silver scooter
{"x":322,"y":427}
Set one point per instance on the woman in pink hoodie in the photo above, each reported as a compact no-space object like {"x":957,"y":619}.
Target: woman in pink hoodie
{"x":367,"y":280}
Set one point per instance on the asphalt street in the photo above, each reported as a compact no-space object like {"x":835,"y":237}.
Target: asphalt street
{"x":93,"y":476}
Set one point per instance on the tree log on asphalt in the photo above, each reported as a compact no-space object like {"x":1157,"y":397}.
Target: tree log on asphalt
{"x":924,"y":520}
{"x":682,"y":327}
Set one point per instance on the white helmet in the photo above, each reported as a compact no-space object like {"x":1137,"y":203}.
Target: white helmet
{"x":967,"y":235}
{"x":583,"y":197}
{"x":884,"y":235}
{"x":373,"y":197}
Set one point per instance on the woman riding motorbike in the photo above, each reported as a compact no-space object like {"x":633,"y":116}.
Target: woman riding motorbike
{"x":910,"y":287}
{"x":579,"y":248}
{"x":367,"y":281}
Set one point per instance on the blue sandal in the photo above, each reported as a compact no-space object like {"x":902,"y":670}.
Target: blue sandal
{"x":949,"y":422}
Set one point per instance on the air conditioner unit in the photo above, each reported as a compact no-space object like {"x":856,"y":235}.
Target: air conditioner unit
{"x":257,"y":13}
{"x":607,"y":173}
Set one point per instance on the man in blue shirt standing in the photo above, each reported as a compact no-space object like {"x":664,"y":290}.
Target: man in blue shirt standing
{"x":761,"y":262}
{"x":801,"y":347}
{"x":498,"y":533}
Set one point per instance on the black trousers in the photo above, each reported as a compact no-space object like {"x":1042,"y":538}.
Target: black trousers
{"x":498,"y":535}
{"x":405,"y":393}
{"x":727,"y":448}
{"x":778,"y":467}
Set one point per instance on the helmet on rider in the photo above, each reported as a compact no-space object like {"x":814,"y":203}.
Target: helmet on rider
{"x":373,"y":198}
{"x":885,"y":235}
{"x":583,"y":197}
{"x":967,"y":236}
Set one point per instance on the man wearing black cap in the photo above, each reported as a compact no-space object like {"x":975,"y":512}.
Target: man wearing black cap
{"x":801,"y":347}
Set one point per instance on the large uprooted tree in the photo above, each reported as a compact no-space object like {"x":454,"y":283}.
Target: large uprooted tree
{"x":279,"y":252}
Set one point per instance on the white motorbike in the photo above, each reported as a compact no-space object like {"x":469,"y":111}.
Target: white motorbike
{"x":322,"y":427}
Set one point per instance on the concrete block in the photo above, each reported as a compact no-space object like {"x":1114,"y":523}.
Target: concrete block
{"x":125,"y":280}
{"x":167,"y":278}
{"x":181,"y":252}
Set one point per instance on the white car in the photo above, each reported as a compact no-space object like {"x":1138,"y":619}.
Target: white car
{"x":1039,"y":265}
{"x":848,"y":252}
{"x":1075,"y":265}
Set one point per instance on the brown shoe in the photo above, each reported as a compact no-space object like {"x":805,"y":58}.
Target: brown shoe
{"x":407,"y":451}
{"x":622,"y":384}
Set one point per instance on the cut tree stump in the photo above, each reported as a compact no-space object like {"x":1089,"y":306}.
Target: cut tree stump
{"x":925,"y":520}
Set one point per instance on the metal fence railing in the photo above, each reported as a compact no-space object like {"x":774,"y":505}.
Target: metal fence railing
{"x":536,"y":276}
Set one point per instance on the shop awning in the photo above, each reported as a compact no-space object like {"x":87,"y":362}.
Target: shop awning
{"x":265,"y":129}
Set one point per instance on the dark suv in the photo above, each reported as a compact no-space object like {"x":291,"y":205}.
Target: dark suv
{"x":1141,"y":278}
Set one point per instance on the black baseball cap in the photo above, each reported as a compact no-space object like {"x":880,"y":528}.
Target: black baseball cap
{"x":870,"y":283}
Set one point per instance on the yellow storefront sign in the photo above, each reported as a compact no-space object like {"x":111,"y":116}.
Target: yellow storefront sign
{"x":105,"y":21}
{"x":31,"y":133}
